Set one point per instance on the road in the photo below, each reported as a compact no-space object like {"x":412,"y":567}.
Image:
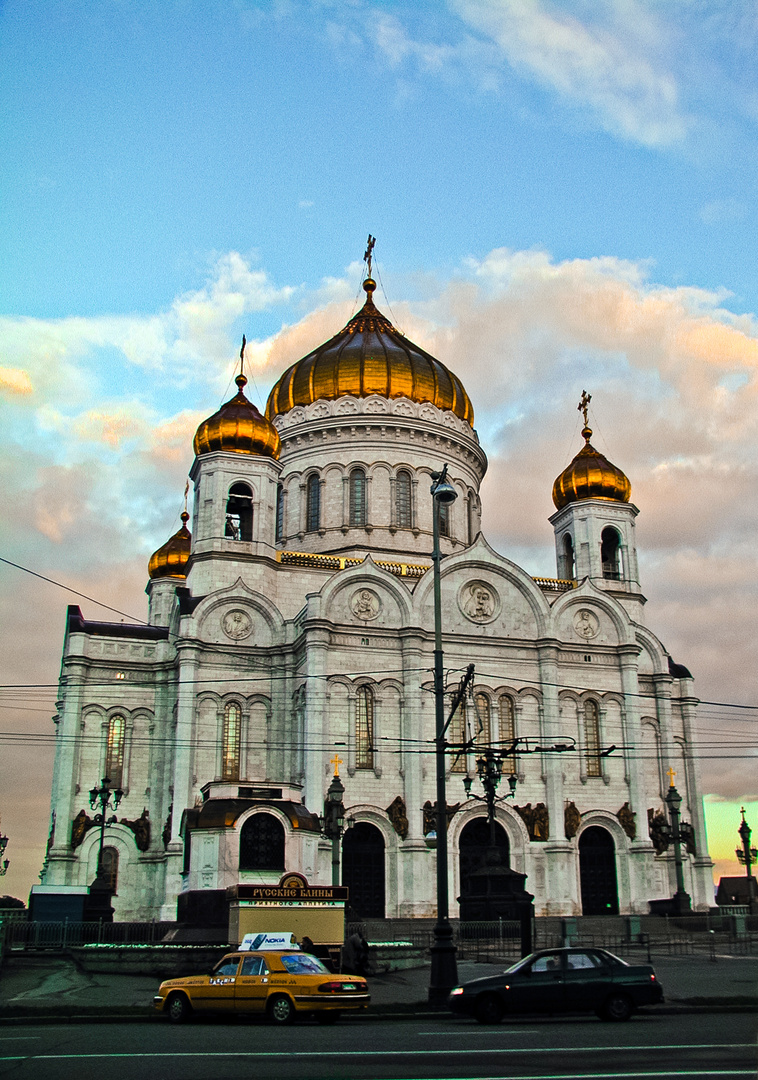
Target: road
{"x":652,"y":1047}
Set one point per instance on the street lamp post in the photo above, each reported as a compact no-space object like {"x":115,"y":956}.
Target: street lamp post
{"x":682,"y":902}
{"x":4,"y":863}
{"x":747,"y":855}
{"x":102,"y":795}
{"x":444,"y":970}
{"x":490,"y":770}
{"x":333,"y":821}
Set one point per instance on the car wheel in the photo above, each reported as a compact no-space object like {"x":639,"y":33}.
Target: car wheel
{"x":280,"y":1010}
{"x":489,"y":1009}
{"x":178,"y":1008}
{"x":617,"y":1007}
{"x":330,"y":1017}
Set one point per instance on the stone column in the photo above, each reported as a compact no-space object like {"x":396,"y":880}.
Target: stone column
{"x":558,"y":852}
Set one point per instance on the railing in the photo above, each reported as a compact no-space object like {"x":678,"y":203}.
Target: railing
{"x":554,"y":584}
{"x":66,"y":934}
{"x":339,"y":562}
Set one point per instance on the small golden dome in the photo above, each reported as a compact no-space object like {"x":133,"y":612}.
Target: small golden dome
{"x":369,"y":356}
{"x":238,"y":427}
{"x":171,"y":559}
{"x":590,"y":476}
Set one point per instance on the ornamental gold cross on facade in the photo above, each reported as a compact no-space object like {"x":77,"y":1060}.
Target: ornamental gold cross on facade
{"x":671,"y":774}
{"x":336,"y":761}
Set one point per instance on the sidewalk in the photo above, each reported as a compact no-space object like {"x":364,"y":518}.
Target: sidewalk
{"x":39,"y":988}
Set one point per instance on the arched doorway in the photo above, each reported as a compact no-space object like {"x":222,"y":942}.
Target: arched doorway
{"x":363,"y":870}
{"x":597,"y":872}
{"x":472,"y":847}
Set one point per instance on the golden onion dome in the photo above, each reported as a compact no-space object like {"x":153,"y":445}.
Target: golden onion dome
{"x":590,"y":476}
{"x":171,"y":559}
{"x":369,"y":356}
{"x":238,"y":427}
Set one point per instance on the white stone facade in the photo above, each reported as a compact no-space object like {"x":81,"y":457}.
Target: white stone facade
{"x":292,"y":648}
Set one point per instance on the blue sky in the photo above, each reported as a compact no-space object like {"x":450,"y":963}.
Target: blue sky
{"x":564,"y":195}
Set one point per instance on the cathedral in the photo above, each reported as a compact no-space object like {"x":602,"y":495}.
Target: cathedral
{"x":290,"y":634}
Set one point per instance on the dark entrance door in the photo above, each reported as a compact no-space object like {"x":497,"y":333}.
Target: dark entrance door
{"x":475,"y":839}
{"x":363,"y":870}
{"x":597,"y":872}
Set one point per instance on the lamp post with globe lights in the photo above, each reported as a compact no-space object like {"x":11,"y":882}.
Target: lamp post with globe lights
{"x":747,"y":855}
{"x":444,"y":969}
{"x":4,"y":863}
{"x":682,"y":902}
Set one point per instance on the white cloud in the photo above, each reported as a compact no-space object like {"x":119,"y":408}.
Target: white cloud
{"x":611,"y":69}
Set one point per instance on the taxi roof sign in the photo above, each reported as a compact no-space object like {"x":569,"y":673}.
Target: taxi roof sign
{"x":261,"y":942}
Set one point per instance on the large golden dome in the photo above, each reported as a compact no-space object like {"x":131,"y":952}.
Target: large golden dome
{"x":590,"y":476}
{"x":238,"y":427}
{"x":369,"y":356}
{"x":171,"y":559}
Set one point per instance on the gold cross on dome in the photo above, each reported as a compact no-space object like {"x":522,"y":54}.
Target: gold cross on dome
{"x":242,"y":355}
{"x":584,"y":405}
{"x":369,"y":251}
{"x":336,"y":761}
{"x":671,"y":774}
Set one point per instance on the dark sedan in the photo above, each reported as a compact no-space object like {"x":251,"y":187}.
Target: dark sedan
{"x":559,"y":981}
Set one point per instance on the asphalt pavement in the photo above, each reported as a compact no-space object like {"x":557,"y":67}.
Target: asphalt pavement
{"x":34,"y":987}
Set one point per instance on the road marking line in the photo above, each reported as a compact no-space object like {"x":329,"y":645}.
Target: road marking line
{"x":256,"y":1054}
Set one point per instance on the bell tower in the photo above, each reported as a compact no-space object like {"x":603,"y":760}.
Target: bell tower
{"x":594,"y":521}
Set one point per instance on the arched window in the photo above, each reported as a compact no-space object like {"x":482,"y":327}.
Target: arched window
{"x":444,"y":518}
{"x":313,"y":504}
{"x":279,"y":533}
{"x":471,"y":512}
{"x":403,"y":506}
{"x":364,"y":728}
{"x":457,"y":736}
{"x":567,"y":571}
{"x":482,"y":737}
{"x":262,"y":843}
{"x":114,"y":751}
{"x":507,"y":725}
{"x":610,"y":554}
{"x":110,"y":868}
{"x":357,"y":512}
{"x":592,"y":738}
{"x":239,"y":513}
{"x":230,"y":743}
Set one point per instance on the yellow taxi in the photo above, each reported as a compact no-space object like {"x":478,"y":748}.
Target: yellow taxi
{"x":278,"y":984}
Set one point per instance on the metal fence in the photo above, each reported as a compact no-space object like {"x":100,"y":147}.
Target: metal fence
{"x":18,"y":935}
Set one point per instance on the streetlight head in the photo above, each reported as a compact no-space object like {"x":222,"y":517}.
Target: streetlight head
{"x":444,"y":492}
{"x":512,"y":781}
{"x":467,"y":782}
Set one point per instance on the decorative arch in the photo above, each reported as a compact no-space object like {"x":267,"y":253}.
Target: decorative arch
{"x":239,"y":512}
{"x":597,"y":870}
{"x":262,"y":843}
{"x":611,"y":554}
{"x":404,"y":516}
{"x":357,"y":497}
{"x":313,"y":503}
{"x":364,"y":870}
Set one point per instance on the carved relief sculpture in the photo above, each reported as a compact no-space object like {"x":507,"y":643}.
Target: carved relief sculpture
{"x":364,"y":604}
{"x":627,"y":820}
{"x":658,"y":829}
{"x":478,"y":601}
{"x":141,"y":829}
{"x":166,"y":834}
{"x":430,"y":815}
{"x":586,"y":624}
{"x":398,"y":817}
{"x":237,"y":625}
{"x":571,"y":820}
{"x":79,"y":827}
{"x":536,"y":819}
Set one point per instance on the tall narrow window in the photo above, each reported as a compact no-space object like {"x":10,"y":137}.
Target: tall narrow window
{"x":262,"y":843}
{"x":444,"y":518}
{"x":471,"y":512}
{"x":357,"y":497}
{"x":110,"y":868}
{"x":457,"y":737}
{"x":239,"y":513}
{"x":482,"y":737}
{"x":364,"y":729}
{"x":610,"y":554}
{"x":592,"y":738}
{"x":507,"y":720}
{"x":230,"y":745}
{"x":114,"y":752}
{"x":567,"y":571}
{"x":279,"y":512}
{"x":313,"y":503}
{"x":403,"y":512}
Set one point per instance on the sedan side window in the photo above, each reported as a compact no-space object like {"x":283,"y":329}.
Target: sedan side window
{"x":547,"y":963}
{"x":253,"y":965}
{"x":227,"y":967}
{"x":580,"y":961}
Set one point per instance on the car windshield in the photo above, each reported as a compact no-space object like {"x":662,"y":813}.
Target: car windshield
{"x":611,"y":958}
{"x":304,"y":964}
